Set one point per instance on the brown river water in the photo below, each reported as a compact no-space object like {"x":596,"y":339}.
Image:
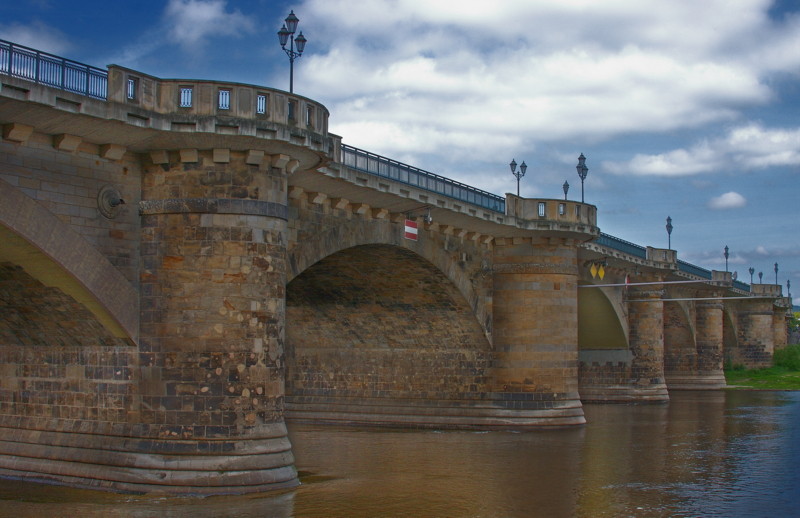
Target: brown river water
{"x":720,"y":453}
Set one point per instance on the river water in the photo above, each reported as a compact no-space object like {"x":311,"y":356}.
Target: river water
{"x":720,"y":453}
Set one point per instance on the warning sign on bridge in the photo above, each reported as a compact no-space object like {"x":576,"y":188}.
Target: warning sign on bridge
{"x":411,"y":230}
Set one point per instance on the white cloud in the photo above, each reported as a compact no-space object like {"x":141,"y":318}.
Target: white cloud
{"x":530,"y":72}
{"x":729,"y":200}
{"x":680,"y":162}
{"x":37,"y":35}
{"x":745,"y":147}
{"x":757,"y":147}
{"x":191,"y":21}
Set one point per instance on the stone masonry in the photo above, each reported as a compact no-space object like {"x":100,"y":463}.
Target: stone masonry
{"x":180,"y":279}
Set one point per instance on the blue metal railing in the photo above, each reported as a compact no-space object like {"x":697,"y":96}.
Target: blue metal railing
{"x":622,"y":245}
{"x":48,"y":69}
{"x":694,"y":270}
{"x":400,"y":172}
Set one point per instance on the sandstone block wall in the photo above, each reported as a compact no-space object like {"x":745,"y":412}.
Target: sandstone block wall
{"x":378,"y":321}
{"x":59,"y":368}
{"x":213,"y":283}
{"x":67,"y":182}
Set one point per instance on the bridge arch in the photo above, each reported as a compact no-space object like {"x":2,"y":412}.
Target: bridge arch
{"x":602,"y":323}
{"x":680,"y":342}
{"x":464,"y":263}
{"x":374,"y":333}
{"x":55,"y":255}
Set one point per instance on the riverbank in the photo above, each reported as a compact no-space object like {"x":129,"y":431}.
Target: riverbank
{"x":783,"y":375}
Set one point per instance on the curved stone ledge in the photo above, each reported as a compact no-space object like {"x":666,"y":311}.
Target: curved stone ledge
{"x":624,"y":394}
{"x":92,"y":280}
{"x":489,"y":414}
{"x":213,"y":206}
{"x":702,"y":381}
{"x":128,"y":464}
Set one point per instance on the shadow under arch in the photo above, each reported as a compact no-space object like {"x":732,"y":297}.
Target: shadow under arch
{"x":680,"y":344}
{"x":473,"y":281}
{"x":600,"y":321}
{"x":57,"y":256}
{"x":377,"y":334}
{"x":730,"y":338}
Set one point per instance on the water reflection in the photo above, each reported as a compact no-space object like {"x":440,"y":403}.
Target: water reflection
{"x":703,"y":454}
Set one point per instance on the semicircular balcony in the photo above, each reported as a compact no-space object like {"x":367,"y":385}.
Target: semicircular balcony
{"x":546,"y":214}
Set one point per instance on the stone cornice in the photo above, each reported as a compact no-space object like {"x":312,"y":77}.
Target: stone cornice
{"x":213,"y":206}
{"x":539,"y":268}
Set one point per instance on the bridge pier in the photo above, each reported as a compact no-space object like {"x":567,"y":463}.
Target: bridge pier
{"x":646,"y":320}
{"x":755,"y":336}
{"x":212,"y":324}
{"x":535,"y":329}
{"x":704,"y":371}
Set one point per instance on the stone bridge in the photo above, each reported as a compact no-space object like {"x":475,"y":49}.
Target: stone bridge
{"x":187,"y":265}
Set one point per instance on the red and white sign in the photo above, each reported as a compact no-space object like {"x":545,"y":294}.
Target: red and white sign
{"x":411,"y":230}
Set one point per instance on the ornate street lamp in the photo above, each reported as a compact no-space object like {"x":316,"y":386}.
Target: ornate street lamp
{"x":726,"y":257}
{"x":286,"y":34}
{"x":582,"y":171}
{"x":669,"y":233}
{"x":752,"y":271}
{"x":566,"y":189}
{"x":776,"y":273}
{"x":520,"y":174}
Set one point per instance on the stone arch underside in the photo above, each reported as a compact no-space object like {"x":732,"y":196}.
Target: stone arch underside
{"x":376,"y":334}
{"x":58,"y":257}
{"x":603,"y":350}
{"x":731,"y":353}
{"x":463,"y":262}
{"x":680,"y":345}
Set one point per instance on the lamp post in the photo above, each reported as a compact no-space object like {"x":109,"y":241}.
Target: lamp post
{"x":776,"y":273}
{"x":286,"y":34}
{"x":752,"y":271}
{"x":726,"y":257}
{"x":582,"y":171}
{"x":669,"y":233}
{"x":520,"y":174}
{"x":566,"y":189}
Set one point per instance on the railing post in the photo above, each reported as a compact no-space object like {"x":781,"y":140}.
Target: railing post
{"x":36,"y":67}
{"x":10,"y":50}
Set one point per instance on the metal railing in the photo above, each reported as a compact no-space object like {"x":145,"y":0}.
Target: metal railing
{"x":48,"y":69}
{"x":694,"y":270}
{"x":622,"y":245}
{"x":386,"y":167}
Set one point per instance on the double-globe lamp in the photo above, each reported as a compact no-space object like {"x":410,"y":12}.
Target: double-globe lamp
{"x":286,"y":35}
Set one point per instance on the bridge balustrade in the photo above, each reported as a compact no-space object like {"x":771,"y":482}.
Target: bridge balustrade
{"x":47,"y":69}
{"x":216,"y":99}
{"x":386,"y":167}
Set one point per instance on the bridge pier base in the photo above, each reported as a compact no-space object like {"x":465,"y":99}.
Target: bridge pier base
{"x":707,"y":373}
{"x":755,"y":337}
{"x":536,"y":329}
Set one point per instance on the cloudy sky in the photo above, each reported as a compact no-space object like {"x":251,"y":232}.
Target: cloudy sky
{"x":683,"y":108}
